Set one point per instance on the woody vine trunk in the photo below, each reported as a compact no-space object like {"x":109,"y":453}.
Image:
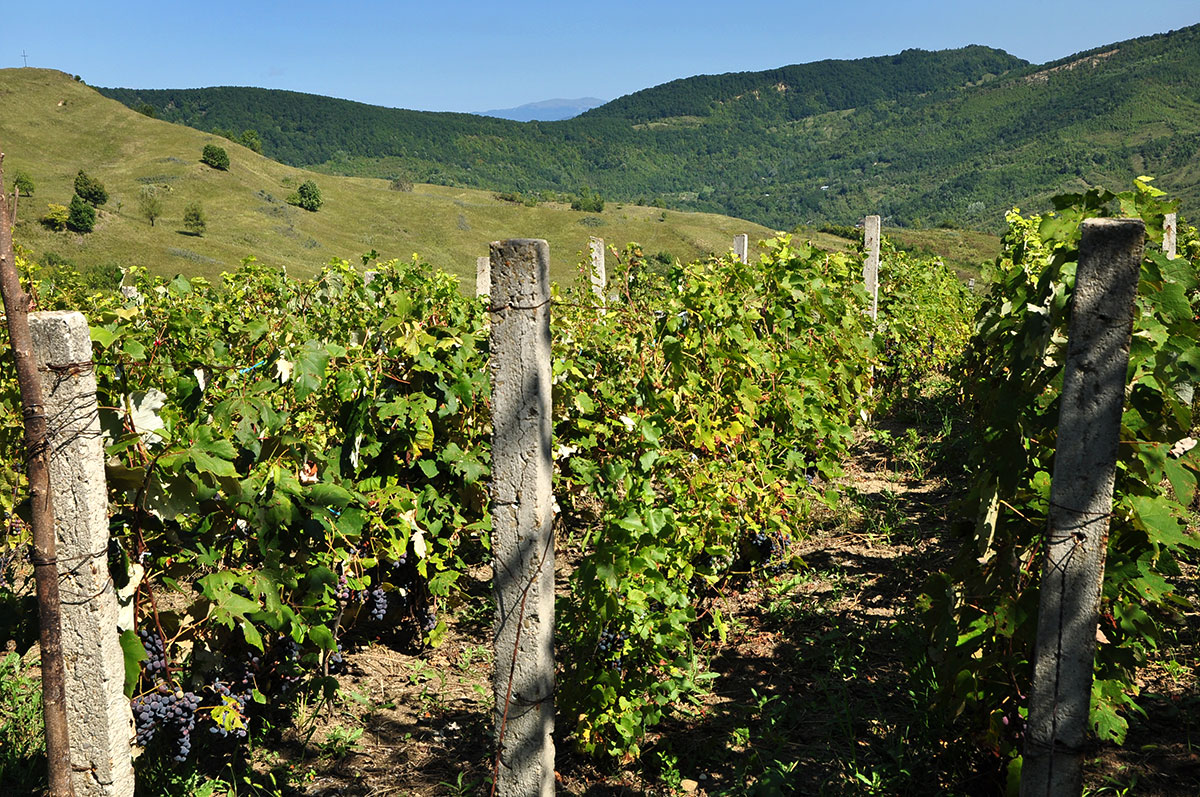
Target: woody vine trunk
{"x":45,"y":564}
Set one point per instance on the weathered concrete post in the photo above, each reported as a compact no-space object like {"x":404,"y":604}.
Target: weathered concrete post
{"x":483,"y":276}
{"x":871,"y":264}
{"x":522,"y":518}
{"x":1110,"y":257}
{"x":599,"y":278}
{"x":741,"y":248}
{"x":971,"y":284}
{"x":98,"y":713}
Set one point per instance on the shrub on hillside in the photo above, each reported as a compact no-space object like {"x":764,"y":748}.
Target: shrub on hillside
{"x":56,"y":217}
{"x":81,"y":217}
{"x":193,"y":219}
{"x":307,"y":196}
{"x":23,"y":183}
{"x":90,"y":190}
{"x":215,"y":157}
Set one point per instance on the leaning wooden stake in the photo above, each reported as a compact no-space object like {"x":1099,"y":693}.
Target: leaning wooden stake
{"x":522,"y":518}
{"x":1092,"y":397}
{"x":45,"y":562}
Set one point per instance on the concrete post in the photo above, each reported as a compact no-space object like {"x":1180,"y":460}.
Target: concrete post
{"x":1170,"y":227}
{"x":871,"y":265}
{"x":599,"y":278}
{"x":741,"y":248}
{"x":1110,"y":257}
{"x":522,"y":518}
{"x":98,"y":713}
{"x":369,"y":277}
{"x":483,"y":276}
{"x":971,"y":284}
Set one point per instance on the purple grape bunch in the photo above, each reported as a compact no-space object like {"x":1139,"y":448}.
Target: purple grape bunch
{"x":378,"y":603}
{"x":169,"y":712}
{"x":155,"y":667}
{"x":611,"y":646}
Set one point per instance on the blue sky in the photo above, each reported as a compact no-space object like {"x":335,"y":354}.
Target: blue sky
{"x":472,"y":56}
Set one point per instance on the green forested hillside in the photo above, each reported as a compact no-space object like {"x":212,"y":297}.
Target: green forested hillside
{"x":794,"y":92}
{"x":923,"y":138}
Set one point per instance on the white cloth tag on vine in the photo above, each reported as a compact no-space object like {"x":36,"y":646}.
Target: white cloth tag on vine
{"x":1182,"y":447}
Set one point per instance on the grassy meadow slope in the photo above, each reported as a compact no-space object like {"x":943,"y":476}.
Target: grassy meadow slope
{"x":51,"y":126}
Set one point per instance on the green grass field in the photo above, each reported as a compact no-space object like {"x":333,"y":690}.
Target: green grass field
{"x":52,"y":126}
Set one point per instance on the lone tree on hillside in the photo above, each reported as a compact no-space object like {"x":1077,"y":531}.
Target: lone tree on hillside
{"x":149,"y":204}
{"x":90,"y":190}
{"x":81,"y":216}
{"x":23,"y":183}
{"x":215,"y":157}
{"x":193,"y":219}
{"x":307,"y":196}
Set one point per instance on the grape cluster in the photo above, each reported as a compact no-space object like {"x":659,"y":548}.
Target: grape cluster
{"x":234,"y":696}
{"x":287,"y":662}
{"x":171,"y":711}
{"x":154,"y":667}
{"x":343,"y":592}
{"x":430,"y":621}
{"x":235,"y":690}
{"x":611,"y":645}
{"x":336,"y":662}
{"x":378,"y":603}
{"x":770,"y":549}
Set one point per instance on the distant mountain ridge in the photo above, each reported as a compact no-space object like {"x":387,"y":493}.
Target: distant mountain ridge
{"x":545,"y":110}
{"x":923,"y":138}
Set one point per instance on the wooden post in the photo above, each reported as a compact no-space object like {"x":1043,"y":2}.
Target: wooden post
{"x":599,"y":278}
{"x":44,"y":553}
{"x":483,"y":276}
{"x":871,"y":264}
{"x":98,"y":715}
{"x":522,"y":518}
{"x":741,"y":248}
{"x":1093,"y":393}
{"x":1170,"y":228}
